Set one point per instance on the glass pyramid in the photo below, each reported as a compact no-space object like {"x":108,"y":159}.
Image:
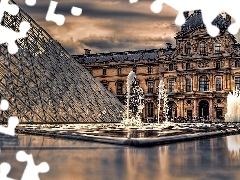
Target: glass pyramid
{"x":43,"y":83}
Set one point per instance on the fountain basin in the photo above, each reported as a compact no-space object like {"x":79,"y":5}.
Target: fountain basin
{"x":136,"y":136}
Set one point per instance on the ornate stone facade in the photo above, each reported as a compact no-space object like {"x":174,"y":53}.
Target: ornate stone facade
{"x":198,"y":73}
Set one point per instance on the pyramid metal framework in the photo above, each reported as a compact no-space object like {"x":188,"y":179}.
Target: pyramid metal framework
{"x":43,"y":83}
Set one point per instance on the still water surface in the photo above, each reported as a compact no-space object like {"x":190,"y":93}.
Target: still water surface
{"x":216,"y":158}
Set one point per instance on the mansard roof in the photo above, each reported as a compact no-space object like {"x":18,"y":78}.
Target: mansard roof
{"x":123,"y":56}
{"x":195,"y":21}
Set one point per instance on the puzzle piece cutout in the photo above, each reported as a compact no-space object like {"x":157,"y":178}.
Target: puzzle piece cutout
{"x":30,"y":2}
{"x":210,"y":10}
{"x":59,"y":19}
{"x":31,"y":171}
{"x":10,"y":130}
{"x":11,"y":36}
{"x":12,"y":121}
{"x":4,"y":170}
{"x":4,"y":105}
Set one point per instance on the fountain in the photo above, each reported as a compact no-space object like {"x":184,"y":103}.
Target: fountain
{"x":162,"y":95}
{"x":135,"y":102}
{"x":233,"y":106}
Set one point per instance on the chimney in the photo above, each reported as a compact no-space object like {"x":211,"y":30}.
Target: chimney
{"x":169,"y":45}
{"x":228,"y":19}
{"x":197,"y":11}
{"x":87,"y":51}
{"x":186,"y":14}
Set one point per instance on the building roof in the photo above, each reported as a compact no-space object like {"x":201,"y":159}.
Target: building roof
{"x":122,"y":56}
{"x":195,"y":21}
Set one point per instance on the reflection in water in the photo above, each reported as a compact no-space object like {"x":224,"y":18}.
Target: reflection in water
{"x":233,"y":144}
{"x":79,"y":160}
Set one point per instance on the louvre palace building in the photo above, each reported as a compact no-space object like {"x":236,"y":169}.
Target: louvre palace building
{"x":198,"y":73}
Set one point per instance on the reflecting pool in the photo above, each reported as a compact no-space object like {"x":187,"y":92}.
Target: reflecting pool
{"x":216,"y":158}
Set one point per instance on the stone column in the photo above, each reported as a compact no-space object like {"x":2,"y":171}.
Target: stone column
{"x":213,"y":87}
{"x":196,"y":83}
{"x":181,"y":81}
{"x":183,"y":108}
{"x":195,"y":107}
{"x":211,"y":108}
{"x":178,"y":108}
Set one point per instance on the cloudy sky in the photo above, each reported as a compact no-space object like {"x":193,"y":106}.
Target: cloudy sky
{"x":107,"y":25}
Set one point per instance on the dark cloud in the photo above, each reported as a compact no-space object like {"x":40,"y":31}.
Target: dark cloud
{"x":92,"y":11}
{"x":113,"y":44}
{"x":108,"y":25}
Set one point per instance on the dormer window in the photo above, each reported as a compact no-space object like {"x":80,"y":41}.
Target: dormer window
{"x":119,"y":71}
{"x":170,"y":67}
{"x":202,"y":48}
{"x":188,"y":48}
{"x":217,"y":47}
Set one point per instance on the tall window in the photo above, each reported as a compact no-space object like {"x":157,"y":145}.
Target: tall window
{"x":135,"y":69}
{"x":218,"y":84}
{"x":150,"y":86}
{"x":104,"y":71}
{"x":188,"y":48}
{"x":188,"y":66}
{"x":171,"y":85}
{"x":188,"y":85}
{"x":119,"y":71}
{"x":203,"y":83}
{"x":150,"y":109}
{"x":202,"y":48}
{"x":150,"y":69}
{"x":237,"y":63}
{"x":218,"y":64}
{"x":119,"y":88}
{"x":237,"y":82}
{"x":170,"y":67}
{"x":217,"y":47}
{"x":105,"y":84}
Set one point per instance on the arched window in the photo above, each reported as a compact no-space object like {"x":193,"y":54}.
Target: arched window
{"x":188,"y":48}
{"x":202,"y":48}
{"x":237,"y":63}
{"x":217,"y":47}
{"x":119,"y":71}
{"x":203,"y":83}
